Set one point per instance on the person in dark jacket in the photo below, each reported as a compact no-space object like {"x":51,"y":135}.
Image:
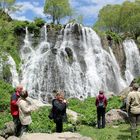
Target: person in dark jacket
{"x":59,"y":105}
{"x":14,"y":109}
{"x":101,"y":103}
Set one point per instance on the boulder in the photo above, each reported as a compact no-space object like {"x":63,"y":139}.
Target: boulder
{"x":13,"y":138}
{"x":8,"y":130}
{"x":116,"y":115}
{"x":1,"y":138}
{"x":73,"y":115}
{"x":110,"y":95}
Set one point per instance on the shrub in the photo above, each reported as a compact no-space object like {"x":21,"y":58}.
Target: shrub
{"x":41,"y":122}
{"x":115,"y":37}
{"x":5,"y":94}
{"x":39,"y":22}
{"x":87,"y":108}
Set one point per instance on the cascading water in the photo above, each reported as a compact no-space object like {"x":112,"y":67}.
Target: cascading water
{"x":9,"y":63}
{"x":77,"y":64}
{"x":92,"y":68}
{"x":132,"y":60}
{"x":33,"y":65}
{"x":12,"y":65}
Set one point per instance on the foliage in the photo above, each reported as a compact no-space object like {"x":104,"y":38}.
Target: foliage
{"x":39,"y":22}
{"x":87,"y":108}
{"x":33,"y":29}
{"x":6,"y":73}
{"x":58,"y":9}
{"x":120,"y":132}
{"x":138,"y":80}
{"x":5,"y":93}
{"x":8,"y":42}
{"x":120,"y":18}
{"x":76,"y":18}
{"x":8,"y":6}
{"x":114,"y":36}
{"x":19,"y":26}
{"x":41,"y":122}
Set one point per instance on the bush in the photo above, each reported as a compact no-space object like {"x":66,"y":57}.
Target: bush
{"x":5,"y":94}
{"x":41,"y":122}
{"x":19,"y":26}
{"x":87,"y":108}
{"x":115,"y":37}
{"x":39,"y":22}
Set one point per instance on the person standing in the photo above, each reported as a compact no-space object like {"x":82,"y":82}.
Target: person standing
{"x":101,"y":104}
{"x":59,"y":105}
{"x":25,"y":109}
{"x":15,"y":110}
{"x":133,"y":109}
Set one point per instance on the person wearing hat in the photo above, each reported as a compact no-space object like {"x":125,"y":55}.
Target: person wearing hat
{"x":133,"y":109}
{"x":101,"y":104}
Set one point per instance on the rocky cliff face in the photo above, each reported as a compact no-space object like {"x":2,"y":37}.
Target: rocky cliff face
{"x":118,"y":52}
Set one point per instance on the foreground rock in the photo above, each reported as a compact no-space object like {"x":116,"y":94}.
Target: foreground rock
{"x":1,"y":138}
{"x":54,"y":136}
{"x":116,"y":115}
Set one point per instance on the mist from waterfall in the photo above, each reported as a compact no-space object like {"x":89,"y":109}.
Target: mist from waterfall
{"x":132,"y":60}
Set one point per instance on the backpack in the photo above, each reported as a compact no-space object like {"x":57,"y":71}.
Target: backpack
{"x":101,"y":103}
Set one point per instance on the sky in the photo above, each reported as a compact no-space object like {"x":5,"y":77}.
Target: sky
{"x":88,"y":8}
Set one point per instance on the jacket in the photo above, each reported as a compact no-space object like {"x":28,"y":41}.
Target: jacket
{"x":24,"y":111}
{"x":133,"y":102}
{"x":101,"y":97}
{"x":59,"y":110}
{"x":13,"y":105}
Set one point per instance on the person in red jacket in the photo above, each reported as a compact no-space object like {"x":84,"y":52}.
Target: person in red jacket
{"x":14,"y":109}
{"x":101,"y":103}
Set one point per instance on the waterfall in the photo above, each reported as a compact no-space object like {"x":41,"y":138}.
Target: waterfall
{"x":92,"y":68}
{"x":132,"y":60}
{"x":33,"y":65}
{"x":12,"y":65}
{"x":76,"y":64}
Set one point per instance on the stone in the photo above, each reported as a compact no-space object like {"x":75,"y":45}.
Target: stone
{"x":54,"y":136}
{"x":115,"y":115}
{"x":8,"y":130}
{"x":13,"y":138}
{"x":1,"y":138}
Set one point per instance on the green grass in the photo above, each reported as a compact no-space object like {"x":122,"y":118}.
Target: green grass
{"x":120,"y":132}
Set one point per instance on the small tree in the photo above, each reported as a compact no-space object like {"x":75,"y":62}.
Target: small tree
{"x":8,"y":6}
{"x":58,"y":9}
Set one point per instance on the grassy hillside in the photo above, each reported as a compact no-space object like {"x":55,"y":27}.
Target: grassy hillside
{"x":86,"y":124}
{"x":120,"y":132}
{"x":5,"y":93}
